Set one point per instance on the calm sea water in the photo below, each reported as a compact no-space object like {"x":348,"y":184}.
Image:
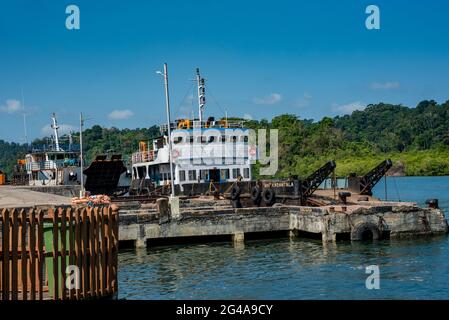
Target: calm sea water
{"x":297,"y":269}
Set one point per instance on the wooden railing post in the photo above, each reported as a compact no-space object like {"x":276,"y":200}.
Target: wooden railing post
{"x":83,"y":237}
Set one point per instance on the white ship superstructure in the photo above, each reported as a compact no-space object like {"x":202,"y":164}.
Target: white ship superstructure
{"x":53,"y":164}
{"x":203,"y":151}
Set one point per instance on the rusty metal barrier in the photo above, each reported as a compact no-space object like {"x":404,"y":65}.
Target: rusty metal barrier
{"x":38,"y":247}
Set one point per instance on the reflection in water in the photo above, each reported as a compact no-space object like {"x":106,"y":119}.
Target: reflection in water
{"x":286,"y":269}
{"x":296,"y":268}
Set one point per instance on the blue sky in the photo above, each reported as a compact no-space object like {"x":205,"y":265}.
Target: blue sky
{"x":259,"y":58}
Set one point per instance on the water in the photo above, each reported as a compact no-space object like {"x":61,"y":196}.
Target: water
{"x":297,"y":269}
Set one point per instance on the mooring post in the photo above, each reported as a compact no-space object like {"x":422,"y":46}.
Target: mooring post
{"x":238,"y":238}
{"x":174,"y":208}
{"x":162,"y":209}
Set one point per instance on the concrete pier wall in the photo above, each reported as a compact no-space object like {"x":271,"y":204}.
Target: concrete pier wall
{"x":330,"y":223}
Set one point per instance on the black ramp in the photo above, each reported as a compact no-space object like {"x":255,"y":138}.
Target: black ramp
{"x":103,"y":175}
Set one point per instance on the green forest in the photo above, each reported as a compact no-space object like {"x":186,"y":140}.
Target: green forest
{"x":416,"y":139}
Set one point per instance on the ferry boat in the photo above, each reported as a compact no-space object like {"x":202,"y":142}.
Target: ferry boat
{"x":54,"y":164}
{"x":203,"y":151}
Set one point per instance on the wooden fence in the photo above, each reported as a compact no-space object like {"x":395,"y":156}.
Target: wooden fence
{"x":59,"y":253}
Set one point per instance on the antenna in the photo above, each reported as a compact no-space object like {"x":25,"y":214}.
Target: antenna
{"x":201,"y":94}
{"x":55,"y":128}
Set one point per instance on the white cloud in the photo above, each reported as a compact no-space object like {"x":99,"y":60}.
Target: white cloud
{"x":63,"y":129}
{"x":120,"y":114}
{"x":348,"y":108}
{"x":272,"y":98}
{"x":11,"y":106}
{"x":304,"y":101}
{"x":247,"y":116}
{"x":384,"y":85}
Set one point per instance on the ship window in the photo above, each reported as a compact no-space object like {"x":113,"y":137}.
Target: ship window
{"x":191,"y":139}
{"x":246,"y":173}
{"x":235,"y":173}
{"x":204,"y":174}
{"x":141,"y":172}
{"x":223,"y":138}
{"x":182,"y":175}
{"x":224,"y":174}
{"x":211,"y":139}
{"x":192,"y":175}
{"x":177,"y":140}
{"x":234,"y":138}
{"x":245,"y":138}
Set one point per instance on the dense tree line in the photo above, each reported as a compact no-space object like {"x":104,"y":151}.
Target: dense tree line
{"x":417,"y":139}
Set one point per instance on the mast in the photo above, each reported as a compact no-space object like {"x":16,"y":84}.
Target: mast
{"x":55,"y":128}
{"x":82,"y":192}
{"x":167,"y":104}
{"x":201,"y":94}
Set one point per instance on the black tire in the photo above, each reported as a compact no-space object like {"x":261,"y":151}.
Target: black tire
{"x":256,"y":195}
{"x":235,"y":192}
{"x":365,"y":231}
{"x":269,"y":197}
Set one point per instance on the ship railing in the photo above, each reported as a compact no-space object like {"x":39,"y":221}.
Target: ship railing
{"x":51,"y":164}
{"x":143,"y":156}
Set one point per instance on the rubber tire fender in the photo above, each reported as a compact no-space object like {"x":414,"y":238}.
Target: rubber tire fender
{"x":256,"y":195}
{"x":269,"y":197}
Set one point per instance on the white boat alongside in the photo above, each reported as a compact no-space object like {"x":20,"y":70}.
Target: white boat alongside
{"x":53,"y":164}
{"x":208,"y":151}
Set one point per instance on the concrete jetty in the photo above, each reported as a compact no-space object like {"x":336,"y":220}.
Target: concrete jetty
{"x":364,"y":221}
{"x":25,"y":196}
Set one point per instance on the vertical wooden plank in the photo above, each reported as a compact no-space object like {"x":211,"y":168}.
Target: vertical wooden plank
{"x":32,"y":252}
{"x":92,"y":251}
{"x":114,"y":210}
{"x":54,"y":214}
{"x":71,"y":247}
{"x":24,"y":255}
{"x":103,"y":252}
{"x":98,"y":251}
{"x":6,"y":254}
{"x":84,"y":241}
{"x":109,"y":250}
{"x":1,"y":254}
{"x":78,"y":251}
{"x":40,"y":253}
{"x":62,"y":213}
{"x":14,"y":261}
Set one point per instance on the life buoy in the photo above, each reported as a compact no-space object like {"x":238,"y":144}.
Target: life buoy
{"x":269,"y":197}
{"x":256,"y":195}
{"x":365,"y":231}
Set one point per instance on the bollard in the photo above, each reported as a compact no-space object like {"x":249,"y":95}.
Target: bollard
{"x":432,"y":203}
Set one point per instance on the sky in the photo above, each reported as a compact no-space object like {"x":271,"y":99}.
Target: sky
{"x":259,"y":59}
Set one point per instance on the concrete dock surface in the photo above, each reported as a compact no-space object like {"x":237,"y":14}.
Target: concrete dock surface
{"x":22,"y":196}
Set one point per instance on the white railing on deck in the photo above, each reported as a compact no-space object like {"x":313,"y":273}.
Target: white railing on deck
{"x":143,"y":156}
